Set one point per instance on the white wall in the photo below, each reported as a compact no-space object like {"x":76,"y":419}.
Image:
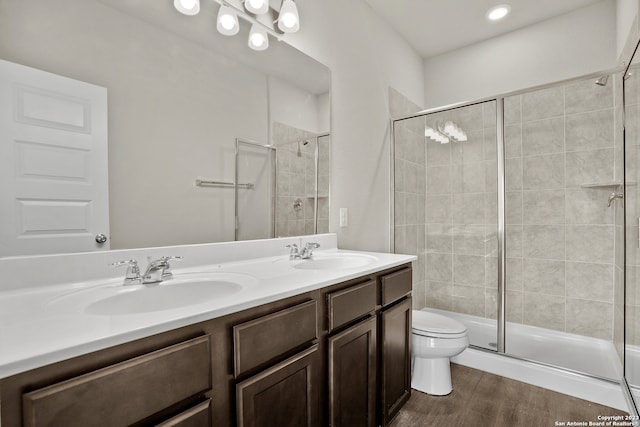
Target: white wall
{"x":626,"y":11}
{"x":365,"y":57}
{"x":293,"y":106}
{"x":570,"y":45}
{"x":324,"y":109}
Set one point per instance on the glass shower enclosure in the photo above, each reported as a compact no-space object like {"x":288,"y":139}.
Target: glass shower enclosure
{"x":505,"y":203}
{"x":282,"y":190}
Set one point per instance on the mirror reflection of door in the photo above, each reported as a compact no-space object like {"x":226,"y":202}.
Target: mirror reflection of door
{"x":53,"y":163}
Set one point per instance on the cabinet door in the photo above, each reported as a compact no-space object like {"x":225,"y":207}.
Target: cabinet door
{"x":352,"y":376}
{"x":282,"y":396}
{"x":395,"y":358}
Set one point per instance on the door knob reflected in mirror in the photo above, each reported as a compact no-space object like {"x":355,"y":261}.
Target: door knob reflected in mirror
{"x":101,"y":238}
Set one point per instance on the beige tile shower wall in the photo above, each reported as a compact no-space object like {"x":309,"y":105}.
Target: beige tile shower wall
{"x":324,"y":180}
{"x":409,"y":190}
{"x":560,"y":232}
{"x":461,"y":200}
{"x":295,"y":172}
{"x":632,"y":205}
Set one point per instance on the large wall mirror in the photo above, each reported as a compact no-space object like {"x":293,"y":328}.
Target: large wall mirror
{"x":178,"y":98}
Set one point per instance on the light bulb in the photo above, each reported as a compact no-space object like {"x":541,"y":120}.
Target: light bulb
{"x":258,"y":39}
{"x":496,"y":13}
{"x":449,"y":128}
{"x":289,"y":20}
{"x":227,"y":23}
{"x":259,"y":7}
{"x":429,"y":132}
{"x":187,"y":7}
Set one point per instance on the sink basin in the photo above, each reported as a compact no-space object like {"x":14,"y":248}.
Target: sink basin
{"x":335,"y":262}
{"x":184,"y":290}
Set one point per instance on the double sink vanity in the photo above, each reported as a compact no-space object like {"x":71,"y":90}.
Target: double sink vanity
{"x":237,"y":333}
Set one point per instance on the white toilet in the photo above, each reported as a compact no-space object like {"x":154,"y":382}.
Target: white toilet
{"x":434,"y":339}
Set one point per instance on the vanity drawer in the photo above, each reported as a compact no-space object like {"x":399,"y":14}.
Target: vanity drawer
{"x":266,"y":338}
{"x":395,"y":285}
{"x":350,"y":304}
{"x":124,"y":393}
{"x":198,"y":416}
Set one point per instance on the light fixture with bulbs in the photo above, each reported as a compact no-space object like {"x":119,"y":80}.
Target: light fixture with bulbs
{"x":445,"y":133}
{"x":453,"y":131}
{"x":435,"y":135}
{"x":256,"y":12}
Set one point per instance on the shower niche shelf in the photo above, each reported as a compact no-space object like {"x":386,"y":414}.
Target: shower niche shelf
{"x":605,"y":185}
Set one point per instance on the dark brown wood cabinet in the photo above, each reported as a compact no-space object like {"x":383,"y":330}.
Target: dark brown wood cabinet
{"x":124,"y":393}
{"x":284,"y":395}
{"x":369,"y":361}
{"x":395,"y":358}
{"x":197,"y":416}
{"x":352,"y":375}
{"x":336,"y":356}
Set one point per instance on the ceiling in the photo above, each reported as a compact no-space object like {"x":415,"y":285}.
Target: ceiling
{"x":433,"y":27}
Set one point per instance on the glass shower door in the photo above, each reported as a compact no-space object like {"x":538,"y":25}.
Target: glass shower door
{"x":631,"y":310}
{"x":255,"y":193}
{"x":445,"y":212}
{"x":559,"y":170}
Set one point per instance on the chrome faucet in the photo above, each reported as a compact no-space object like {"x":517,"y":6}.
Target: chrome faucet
{"x":307,"y":251}
{"x":293,"y":252}
{"x":613,"y":196}
{"x":158,"y":270}
{"x":132,"y":277}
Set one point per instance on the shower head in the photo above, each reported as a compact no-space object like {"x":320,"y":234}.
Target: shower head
{"x":603,"y":80}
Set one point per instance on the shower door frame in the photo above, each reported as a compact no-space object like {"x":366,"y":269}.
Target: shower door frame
{"x":501,"y":234}
{"x":316,"y":177}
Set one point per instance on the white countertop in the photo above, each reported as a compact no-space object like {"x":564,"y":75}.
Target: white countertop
{"x":40,"y":325}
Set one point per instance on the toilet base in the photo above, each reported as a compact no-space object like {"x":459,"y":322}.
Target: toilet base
{"x":431,"y":376}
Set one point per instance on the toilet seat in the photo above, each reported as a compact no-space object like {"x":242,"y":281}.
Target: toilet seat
{"x":433,"y":325}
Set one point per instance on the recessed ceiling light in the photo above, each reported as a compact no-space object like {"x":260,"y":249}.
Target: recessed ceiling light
{"x":496,"y":13}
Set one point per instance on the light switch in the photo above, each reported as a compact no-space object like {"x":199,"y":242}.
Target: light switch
{"x":344,"y":217}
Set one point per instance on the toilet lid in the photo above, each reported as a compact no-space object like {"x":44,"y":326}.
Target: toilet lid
{"x":426,"y":323}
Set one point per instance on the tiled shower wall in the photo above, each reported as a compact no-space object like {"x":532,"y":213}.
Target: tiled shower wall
{"x":559,"y":148}
{"x":632,"y":160}
{"x":295,"y":181}
{"x":461,"y":214}
{"x":409,"y":190}
{"x":559,"y":145}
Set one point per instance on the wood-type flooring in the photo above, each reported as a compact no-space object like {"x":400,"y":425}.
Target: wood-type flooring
{"x":481,"y":399}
